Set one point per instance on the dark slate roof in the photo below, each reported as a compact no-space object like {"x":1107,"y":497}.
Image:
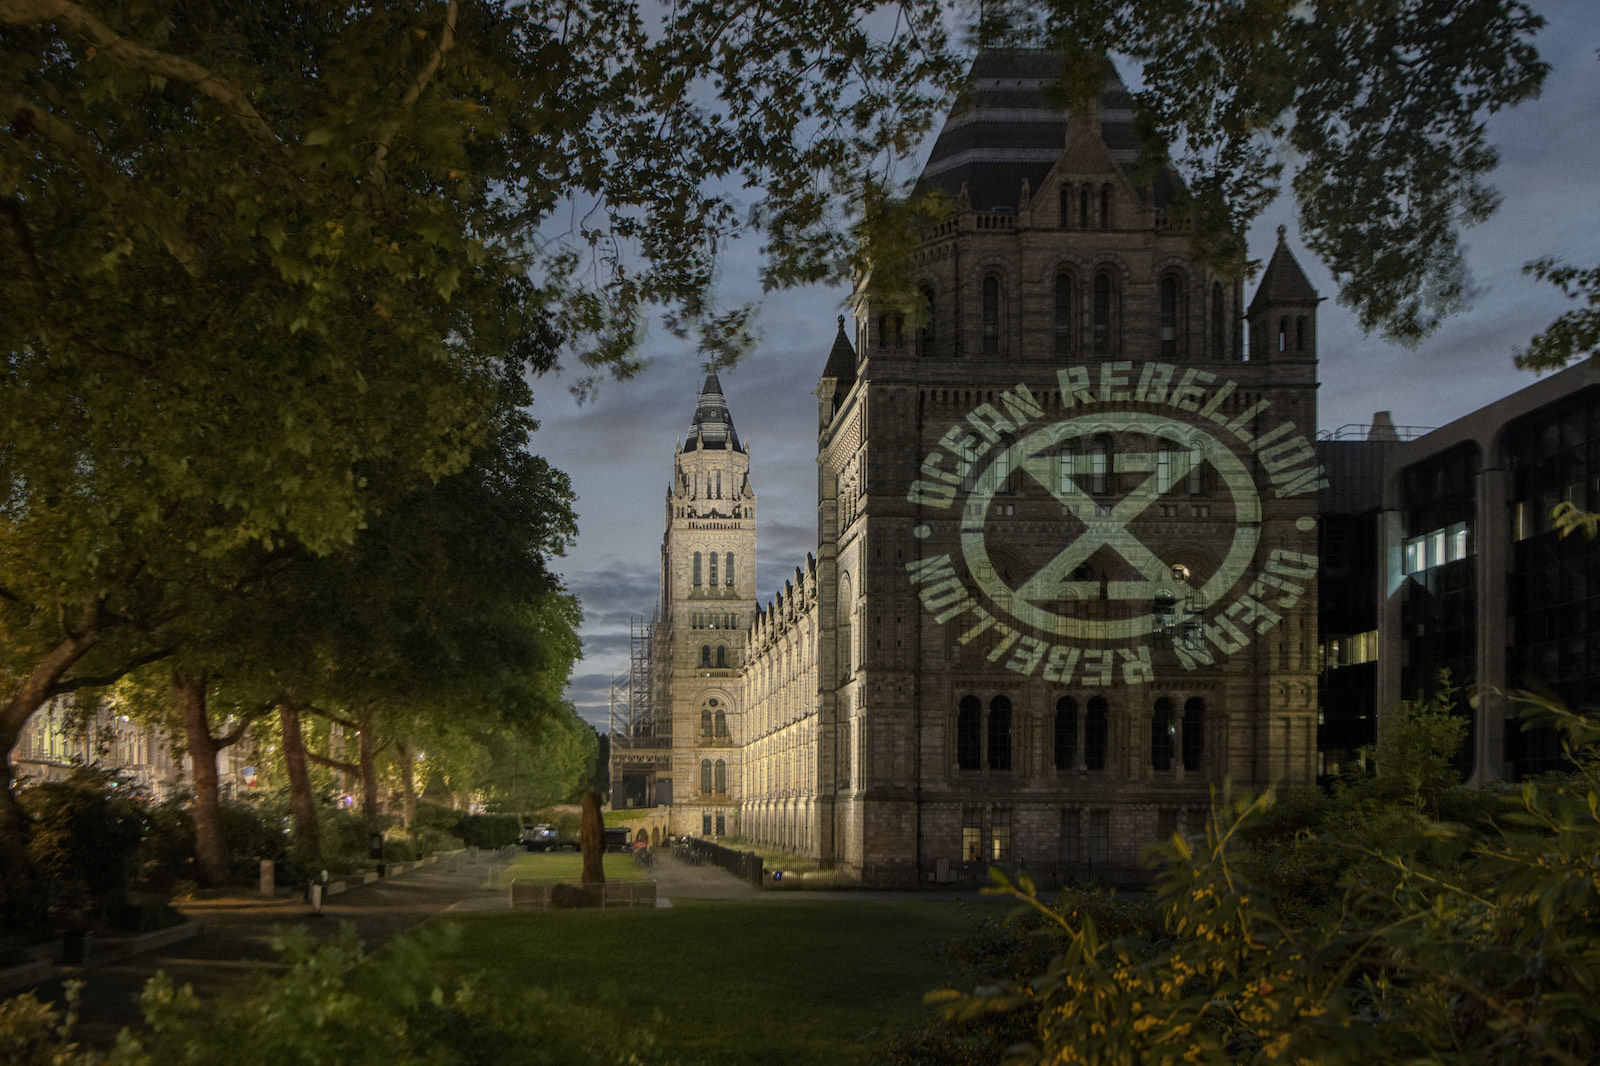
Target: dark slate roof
{"x":1283,"y":282}
{"x":841,"y":366}
{"x":1003,"y":131}
{"x":712,"y":428}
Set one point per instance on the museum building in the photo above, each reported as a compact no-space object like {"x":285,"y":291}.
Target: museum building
{"x":1067,"y":534}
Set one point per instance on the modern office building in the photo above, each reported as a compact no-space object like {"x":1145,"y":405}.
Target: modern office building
{"x":1477,"y":581}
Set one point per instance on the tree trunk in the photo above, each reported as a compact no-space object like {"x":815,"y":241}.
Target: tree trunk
{"x":591,"y":839}
{"x":210,"y":850}
{"x":303,"y":806}
{"x":405,"y":756}
{"x":369,"y":770}
{"x":36,"y":688}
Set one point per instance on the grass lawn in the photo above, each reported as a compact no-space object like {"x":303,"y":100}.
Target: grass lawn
{"x":568,"y":864}
{"x":740,"y":981}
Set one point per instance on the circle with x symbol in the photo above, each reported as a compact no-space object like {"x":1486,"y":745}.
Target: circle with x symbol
{"x":1106,"y":526}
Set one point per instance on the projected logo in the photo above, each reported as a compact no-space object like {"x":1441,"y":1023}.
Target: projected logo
{"x":1133,"y":524}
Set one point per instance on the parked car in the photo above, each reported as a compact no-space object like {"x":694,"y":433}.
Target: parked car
{"x":538,"y":837}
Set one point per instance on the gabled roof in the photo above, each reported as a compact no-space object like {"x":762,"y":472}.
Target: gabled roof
{"x":841,"y":365}
{"x":1283,"y":282}
{"x":712,"y":428}
{"x":1004,"y":132}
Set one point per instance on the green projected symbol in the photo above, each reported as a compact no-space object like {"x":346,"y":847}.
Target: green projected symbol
{"x":1041,"y":599}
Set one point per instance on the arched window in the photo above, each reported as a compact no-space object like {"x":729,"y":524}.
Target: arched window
{"x":727,"y":571}
{"x":1063,"y":314}
{"x":696,"y":569}
{"x":705,"y":723}
{"x":705,"y":655}
{"x":969,"y":733}
{"x":1105,"y":207}
{"x":1170,"y":318}
{"x":1066,"y":733}
{"x":705,"y":775}
{"x":713,"y":569}
{"x":1219,"y":323}
{"x":1083,"y":208}
{"x":1283,"y":334}
{"x":1300,"y":334}
{"x":1099,"y":462}
{"x":925,"y":329}
{"x":722,"y":723}
{"x":1064,"y":219}
{"x":1096,"y":735}
{"x":999,"y":733}
{"x":1194,"y":732}
{"x":722,"y":656}
{"x":1161,"y":730}
{"x":1103,"y":311}
{"x":720,"y":778}
{"x":991,"y":315}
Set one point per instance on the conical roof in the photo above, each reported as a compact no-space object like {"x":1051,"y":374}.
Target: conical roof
{"x":712,"y":428}
{"x":841,"y":365}
{"x":1004,"y":132}
{"x":1283,"y":282}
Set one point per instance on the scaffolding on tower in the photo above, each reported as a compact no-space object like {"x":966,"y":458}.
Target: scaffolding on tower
{"x":632,"y":717}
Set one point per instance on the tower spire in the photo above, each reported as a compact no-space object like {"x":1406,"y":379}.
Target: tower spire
{"x":712,"y":428}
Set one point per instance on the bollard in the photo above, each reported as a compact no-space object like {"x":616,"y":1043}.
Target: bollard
{"x":268,"y":879}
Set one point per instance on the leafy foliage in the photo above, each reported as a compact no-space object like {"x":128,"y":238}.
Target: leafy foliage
{"x":1486,"y":957}
{"x":1575,"y":333}
{"x":332,"y":1003}
{"x":275,"y":269}
{"x":85,"y":841}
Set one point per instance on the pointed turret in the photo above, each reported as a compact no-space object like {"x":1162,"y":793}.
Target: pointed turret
{"x":712,"y":427}
{"x":838,"y":375}
{"x":1283,"y":314}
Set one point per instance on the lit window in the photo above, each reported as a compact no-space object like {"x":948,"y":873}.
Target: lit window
{"x":1437,"y":547}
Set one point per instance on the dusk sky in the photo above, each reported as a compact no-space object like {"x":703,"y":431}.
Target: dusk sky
{"x":618,"y":446}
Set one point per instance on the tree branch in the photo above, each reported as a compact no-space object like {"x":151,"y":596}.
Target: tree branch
{"x":447,"y":40}
{"x":12,"y":212}
{"x":329,"y":716}
{"x":61,"y":688}
{"x":333,"y":764}
{"x":148,"y":60}
{"x":27,"y":117}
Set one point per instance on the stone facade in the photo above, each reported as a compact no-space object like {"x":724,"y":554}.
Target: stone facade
{"x":1065,"y":578}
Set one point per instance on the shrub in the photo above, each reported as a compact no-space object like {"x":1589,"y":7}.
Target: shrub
{"x":253,"y":832}
{"x":331,"y":1003}
{"x":346,"y":838}
{"x":166,"y":855}
{"x":85,"y":841}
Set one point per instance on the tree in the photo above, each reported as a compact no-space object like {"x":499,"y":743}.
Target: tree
{"x":267,"y":265}
{"x":1374,"y":115}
